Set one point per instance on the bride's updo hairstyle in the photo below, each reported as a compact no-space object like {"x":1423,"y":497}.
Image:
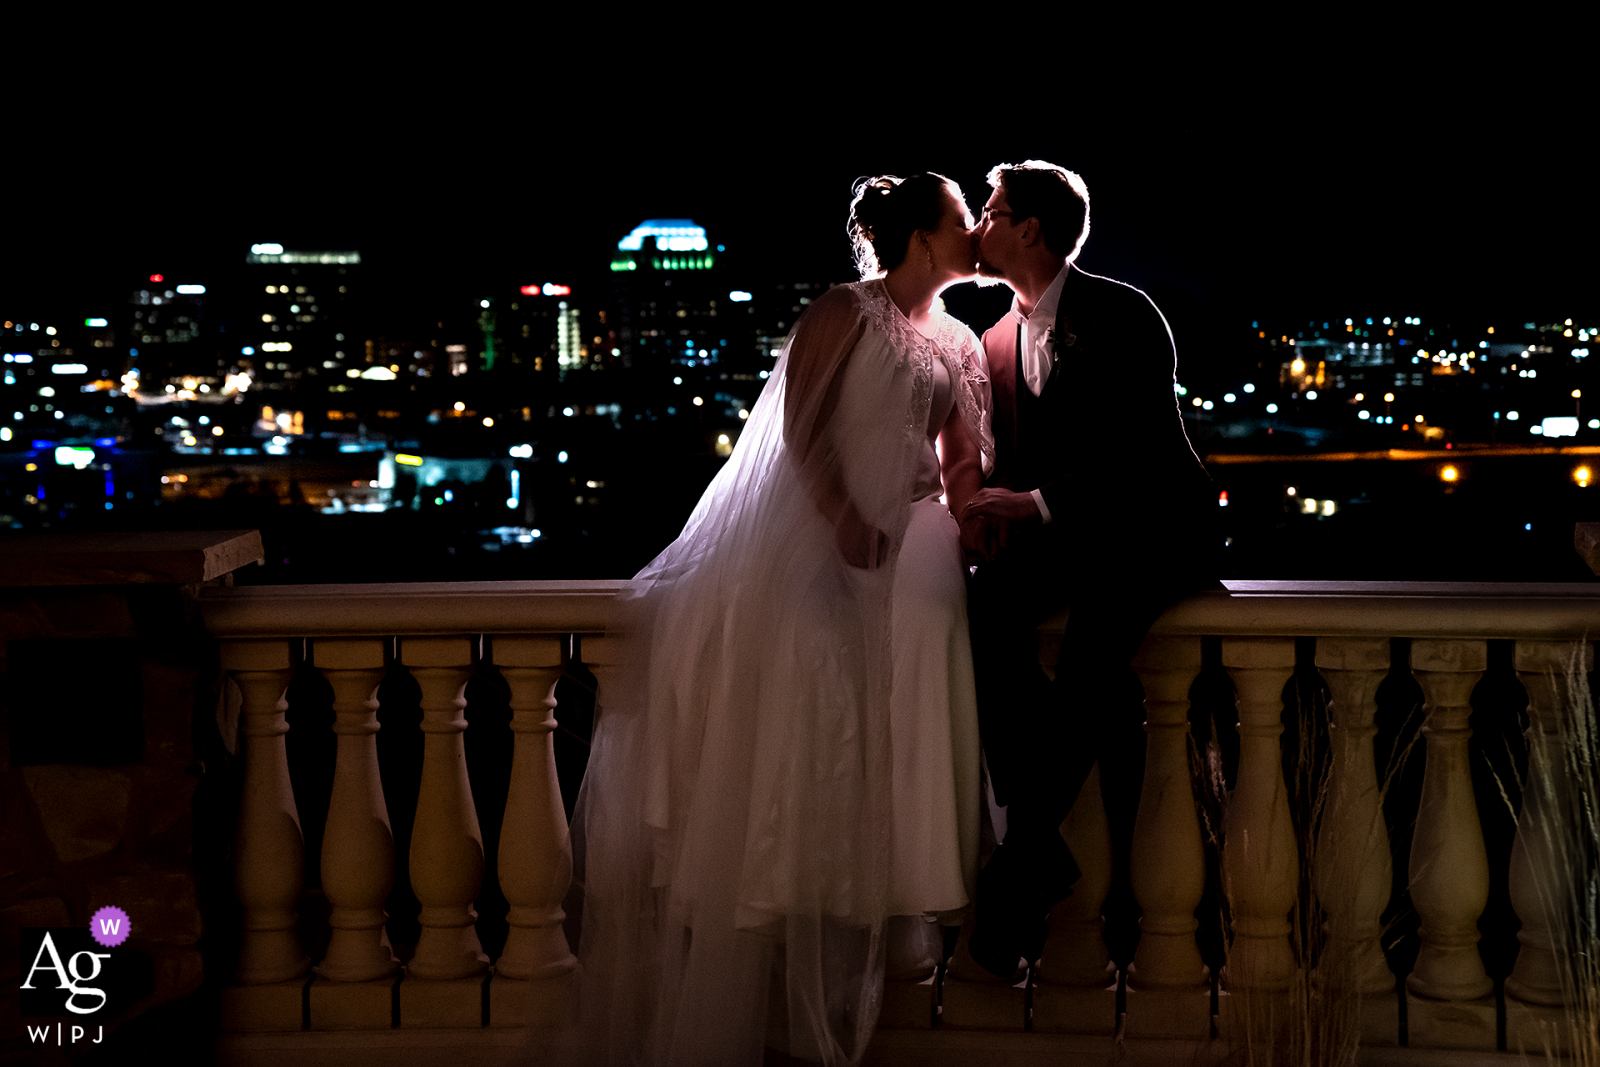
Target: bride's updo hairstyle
{"x":885,"y":212}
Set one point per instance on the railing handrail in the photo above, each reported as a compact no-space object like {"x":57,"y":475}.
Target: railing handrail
{"x":1268,"y":608}
{"x":1542,"y":611}
{"x":403,"y":608}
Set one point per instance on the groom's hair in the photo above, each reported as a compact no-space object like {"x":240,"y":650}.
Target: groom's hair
{"x":1054,"y":195}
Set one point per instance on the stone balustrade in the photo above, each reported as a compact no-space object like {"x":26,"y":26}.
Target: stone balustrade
{"x":1265,"y":886}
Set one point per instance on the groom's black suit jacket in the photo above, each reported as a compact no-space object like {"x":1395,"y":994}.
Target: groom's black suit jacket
{"x":1131,"y":530}
{"x":1104,"y":441}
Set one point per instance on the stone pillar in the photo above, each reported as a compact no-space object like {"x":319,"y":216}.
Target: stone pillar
{"x":532,"y":976}
{"x":1450,"y":1004}
{"x":1352,"y":871}
{"x":1449,"y":868}
{"x":358,"y":845}
{"x":1075,"y":953}
{"x":1260,"y":861}
{"x":1074,"y":982}
{"x":269,"y":849}
{"x":1544,"y":869}
{"x":1168,"y":983}
{"x":1260,"y":856}
{"x":446,"y":845}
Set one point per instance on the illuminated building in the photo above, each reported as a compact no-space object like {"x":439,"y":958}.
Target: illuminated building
{"x":168,"y":333}
{"x":166,"y":313}
{"x":297,"y":317}
{"x":540,"y":328}
{"x":670,"y":288}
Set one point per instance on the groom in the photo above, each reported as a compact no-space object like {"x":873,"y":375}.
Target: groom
{"x":1097,"y":503}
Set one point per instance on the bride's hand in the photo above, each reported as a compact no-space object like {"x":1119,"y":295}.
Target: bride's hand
{"x":860,"y":543}
{"x":981,"y":537}
{"x":1002,"y":504}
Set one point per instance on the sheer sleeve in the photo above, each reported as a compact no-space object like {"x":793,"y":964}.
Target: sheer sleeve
{"x":974,"y":401}
{"x":818,"y":359}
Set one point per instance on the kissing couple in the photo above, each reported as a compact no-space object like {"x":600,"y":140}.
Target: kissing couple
{"x":783,"y":795}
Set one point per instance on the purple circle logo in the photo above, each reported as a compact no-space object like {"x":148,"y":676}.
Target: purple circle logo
{"x":110,"y":926}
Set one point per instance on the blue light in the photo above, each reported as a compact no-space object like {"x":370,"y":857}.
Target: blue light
{"x":104,"y":442}
{"x":672,"y":235}
{"x":247,"y":350}
{"x":449,"y":495}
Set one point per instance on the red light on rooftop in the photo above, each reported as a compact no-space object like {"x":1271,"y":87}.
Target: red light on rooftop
{"x":1222,"y":499}
{"x":530,"y":290}
{"x":157,"y":278}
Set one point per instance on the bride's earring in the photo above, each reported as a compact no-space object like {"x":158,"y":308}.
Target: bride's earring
{"x":928,"y":251}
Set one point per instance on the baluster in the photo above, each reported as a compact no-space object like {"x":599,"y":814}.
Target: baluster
{"x":358,"y":846}
{"x":1260,"y":861}
{"x":1544,"y":865}
{"x":1075,"y":953}
{"x":446,"y":845}
{"x":269,"y":848}
{"x":1352,"y":870}
{"x":269,"y":852}
{"x":535,"y":855}
{"x":1168,"y":982}
{"x":1073,"y":984}
{"x":1449,"y":868}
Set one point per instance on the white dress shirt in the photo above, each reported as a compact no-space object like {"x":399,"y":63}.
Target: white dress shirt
{"x":1038,"y":354}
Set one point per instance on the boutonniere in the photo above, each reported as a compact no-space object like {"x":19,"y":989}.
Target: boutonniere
{"x":1067,"y":341}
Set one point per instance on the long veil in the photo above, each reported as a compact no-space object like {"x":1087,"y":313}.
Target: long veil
{"x":732,"y":830}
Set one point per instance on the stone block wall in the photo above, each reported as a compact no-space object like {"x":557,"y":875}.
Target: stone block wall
{"x":120,"y":830}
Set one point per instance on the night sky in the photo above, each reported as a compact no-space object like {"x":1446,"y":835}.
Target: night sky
{"x":1413,"y":197}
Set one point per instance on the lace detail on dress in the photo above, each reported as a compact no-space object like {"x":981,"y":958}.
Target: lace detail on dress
{"x":956,"y":341}
{"x":973,"y":399}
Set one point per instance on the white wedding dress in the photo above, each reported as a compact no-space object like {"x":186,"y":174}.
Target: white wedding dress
{"x":786,"y":752}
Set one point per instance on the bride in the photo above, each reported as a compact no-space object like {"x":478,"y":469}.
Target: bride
{"x":789,"y":756}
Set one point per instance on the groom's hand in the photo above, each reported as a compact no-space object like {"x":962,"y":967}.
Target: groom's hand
{"x":1001,"y":504}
